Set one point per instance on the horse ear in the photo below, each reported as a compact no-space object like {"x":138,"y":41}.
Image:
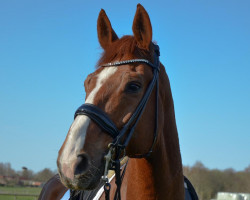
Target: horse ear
{"x":142,"y":28}
{"x":106,"y":34}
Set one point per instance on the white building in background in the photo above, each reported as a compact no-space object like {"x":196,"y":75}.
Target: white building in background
{"x":232,"y":196}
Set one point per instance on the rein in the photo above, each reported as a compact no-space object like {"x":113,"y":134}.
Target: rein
{"x":117,"y":148}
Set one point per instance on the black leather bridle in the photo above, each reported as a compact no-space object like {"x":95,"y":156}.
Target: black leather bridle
{"x":117,"y":147}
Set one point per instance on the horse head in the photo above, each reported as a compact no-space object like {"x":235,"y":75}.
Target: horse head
{"x":117,"y":91}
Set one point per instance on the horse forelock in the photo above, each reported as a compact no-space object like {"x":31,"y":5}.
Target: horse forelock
{"x":123,"y":49}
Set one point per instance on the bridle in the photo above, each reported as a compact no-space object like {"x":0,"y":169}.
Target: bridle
{"x":117,"y":147}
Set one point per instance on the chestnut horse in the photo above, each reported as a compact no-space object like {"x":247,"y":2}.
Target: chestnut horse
{"x":114,"y":91}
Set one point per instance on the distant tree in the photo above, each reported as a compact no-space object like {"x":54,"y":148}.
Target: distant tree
{"x":27,"y":174}
{"x":44,"y":175}
{"x":199,"y":165}
{"x":209,"y":182}
{"x":247,"y":169}
{"x":6,"y":170}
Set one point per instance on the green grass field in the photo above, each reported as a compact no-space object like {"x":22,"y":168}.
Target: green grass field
{"x":19,"y":190}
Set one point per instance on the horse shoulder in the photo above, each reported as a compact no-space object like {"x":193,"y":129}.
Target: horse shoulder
{"x":53,"y":189}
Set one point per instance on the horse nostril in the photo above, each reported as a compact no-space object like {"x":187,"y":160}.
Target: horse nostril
{"x":81,"y":164}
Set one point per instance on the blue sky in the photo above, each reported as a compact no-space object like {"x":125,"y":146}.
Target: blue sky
{"x":47,"y":48}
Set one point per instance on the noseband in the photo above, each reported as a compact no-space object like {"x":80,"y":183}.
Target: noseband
{"x":106,"y":124}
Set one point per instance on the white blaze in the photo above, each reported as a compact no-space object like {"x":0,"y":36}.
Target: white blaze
{"x":77,"y":132}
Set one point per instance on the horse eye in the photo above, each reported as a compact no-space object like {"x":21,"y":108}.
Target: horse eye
{"x":133,"y":87}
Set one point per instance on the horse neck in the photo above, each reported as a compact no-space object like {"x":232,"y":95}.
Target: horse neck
{"x":160,"y":176}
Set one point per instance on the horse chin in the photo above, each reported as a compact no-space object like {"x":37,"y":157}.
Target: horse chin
{"x":87,"y":181}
